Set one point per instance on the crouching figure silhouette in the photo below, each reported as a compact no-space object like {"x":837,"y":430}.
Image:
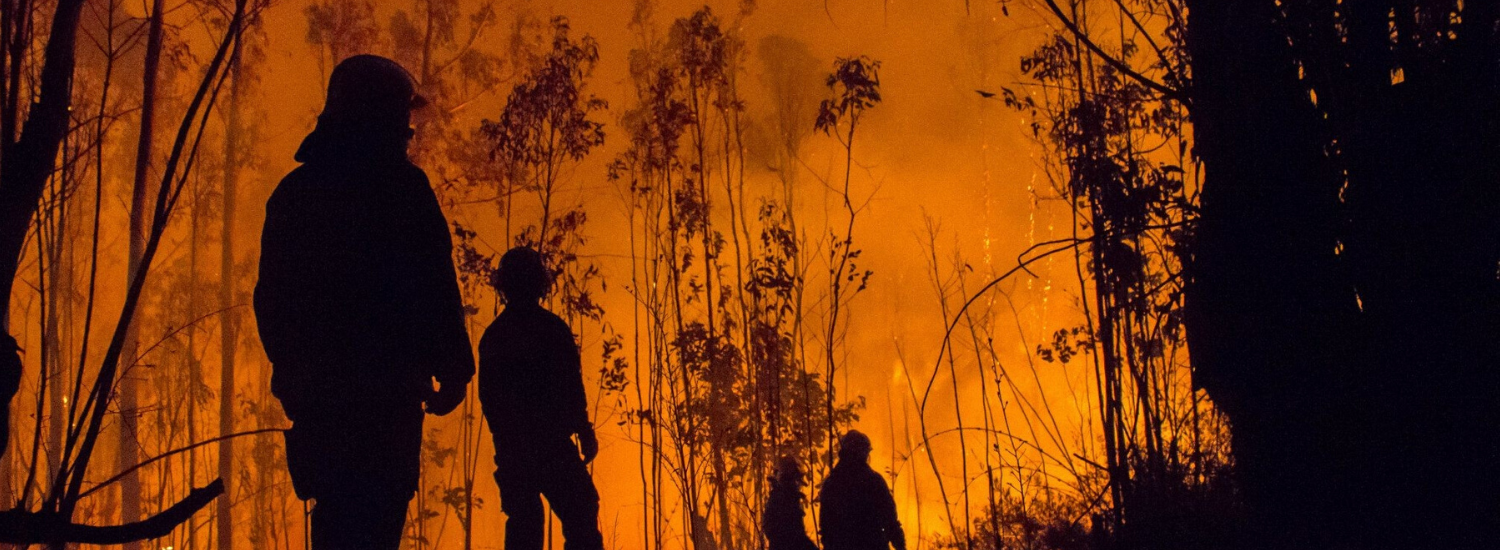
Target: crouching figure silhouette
{"x":359,"y":309}
{"x":531,"y":389}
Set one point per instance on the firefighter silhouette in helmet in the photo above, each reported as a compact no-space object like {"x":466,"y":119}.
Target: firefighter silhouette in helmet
{"x":359,"y":309}
{"x":856,"y":509}
{"x":531,"y":388}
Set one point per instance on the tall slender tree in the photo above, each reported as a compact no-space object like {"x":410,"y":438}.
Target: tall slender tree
{"x":234,"y":157}
{"x":140,"y":220}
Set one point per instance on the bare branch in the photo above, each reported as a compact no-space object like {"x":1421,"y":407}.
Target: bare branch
{"x":1165,"y":91}
{"x":172,"y":453}
{"x":25,"y":527}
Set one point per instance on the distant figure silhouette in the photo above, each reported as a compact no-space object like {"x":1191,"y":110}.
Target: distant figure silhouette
{"x":531,"y":388}
{"x":782,"y":520}
{"x":359,"y":309}
{"x":857,"y":510}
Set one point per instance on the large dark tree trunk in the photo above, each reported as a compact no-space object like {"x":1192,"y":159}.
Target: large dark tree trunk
{"x":26,"y":162}
{"x":1343,"y":311}
{"x":1421,"y":153}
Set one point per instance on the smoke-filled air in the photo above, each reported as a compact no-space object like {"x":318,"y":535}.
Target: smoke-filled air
{"x":749,"y":274}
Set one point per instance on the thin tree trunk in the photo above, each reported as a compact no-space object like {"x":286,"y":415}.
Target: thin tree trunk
{"x":195,"y":366}
{"x":52,"y":337}
{"x":140,"y":213}
{"x":227,"y":329}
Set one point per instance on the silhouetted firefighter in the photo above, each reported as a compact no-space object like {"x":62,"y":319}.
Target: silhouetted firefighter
{"x":857,"y":510}
{"x":531,"y":388}
{"x":359,"y":309}
{"x":782,"y":520}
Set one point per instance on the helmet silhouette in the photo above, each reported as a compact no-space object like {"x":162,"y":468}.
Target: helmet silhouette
{"x":371,"y":88}
{"x":522,"y":275}
{"x":855,"y":445}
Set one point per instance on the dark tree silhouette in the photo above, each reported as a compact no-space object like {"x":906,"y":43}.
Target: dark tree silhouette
{"x":1343,"y":298}
{"x":1345,"y":303}
{"x":28,"y":161}
{"x":546,"y":124}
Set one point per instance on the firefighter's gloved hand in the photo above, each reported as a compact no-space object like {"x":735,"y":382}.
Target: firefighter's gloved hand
{"x":588,"y":444}
{"x":445,"y":399}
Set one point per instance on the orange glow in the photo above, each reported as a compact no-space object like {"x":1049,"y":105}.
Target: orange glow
{"x":952,"y":186}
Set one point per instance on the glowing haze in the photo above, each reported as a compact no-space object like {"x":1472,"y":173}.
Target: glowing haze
{"x":952,"y":188}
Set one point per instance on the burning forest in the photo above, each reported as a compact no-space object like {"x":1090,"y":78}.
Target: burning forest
{"x":745,"y":275}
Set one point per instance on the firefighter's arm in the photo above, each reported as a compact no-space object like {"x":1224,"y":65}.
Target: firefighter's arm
{"x":453,"y":367}
{"x":280,"y":303}
{"x":575,"y":398}
{"x":893,"y":530}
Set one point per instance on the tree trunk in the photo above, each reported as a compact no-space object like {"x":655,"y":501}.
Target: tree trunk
{"x":59,"y":281}
{"x":1423,"y":247}
{"x":140,"y":222}
{"x":232,"y":158}
{"x":1343,"y":309}
{"x":1268,"y":319}
{"x":26,"y":163}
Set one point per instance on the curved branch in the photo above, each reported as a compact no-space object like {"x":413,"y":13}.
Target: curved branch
{"x":1160,"y":54}
{"x":24,"y":527}
{"x":1021,"y":266}
{"x":168,"y":454}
